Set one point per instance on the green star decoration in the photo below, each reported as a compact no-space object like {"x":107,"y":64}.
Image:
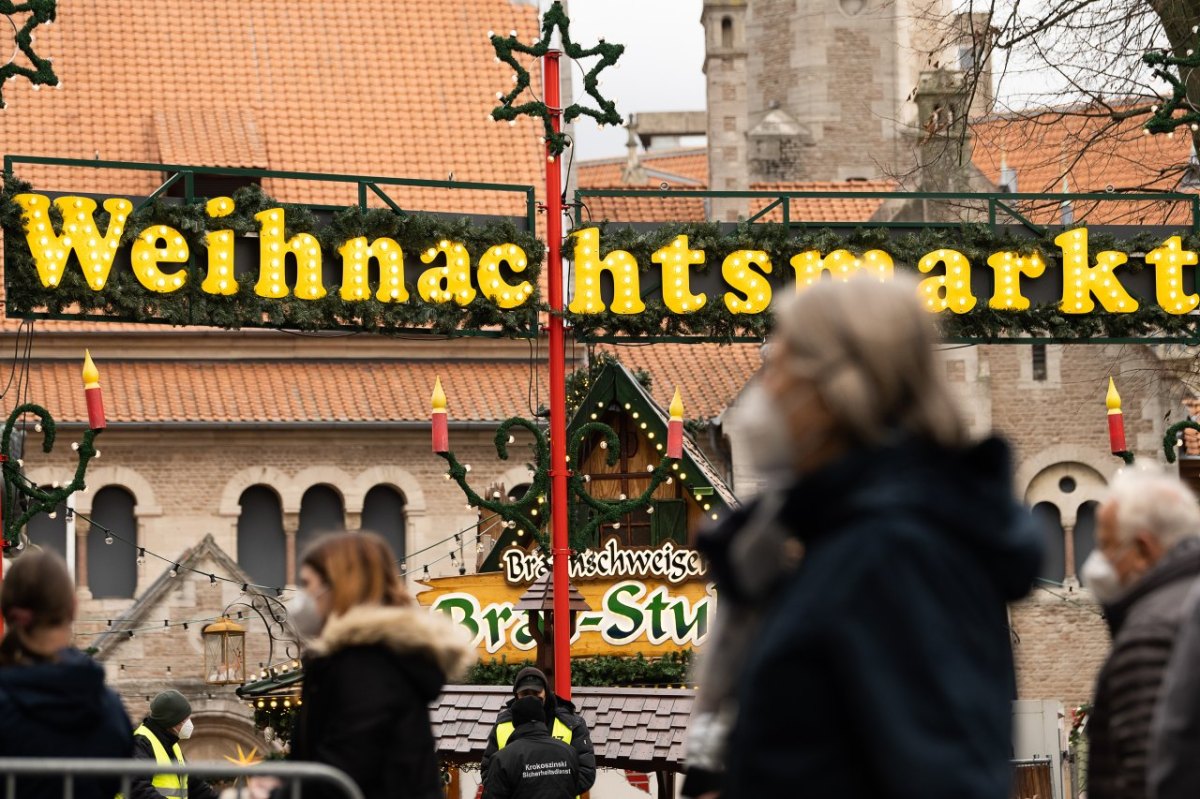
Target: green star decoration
{"x":40,"y":12}
{"x":1163,"y":118}
{"x":506,"y":46}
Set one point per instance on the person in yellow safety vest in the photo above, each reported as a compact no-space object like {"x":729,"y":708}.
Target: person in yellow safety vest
{"x":564,"y":723}
{"x":158,"y":739}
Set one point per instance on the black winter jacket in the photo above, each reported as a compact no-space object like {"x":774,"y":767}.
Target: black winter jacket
{"x":564,"y":711}
{"x":62,"y":709}
{"x":533,"y":765}
{"x":143,"y":787}
{"x":883,"y":667}
{"x":1144,"y":625}
{"x":368,"y":682}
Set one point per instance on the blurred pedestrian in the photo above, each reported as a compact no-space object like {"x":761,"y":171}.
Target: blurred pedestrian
{"x":532,"y":765}
{"x":560,"y":719}
{"x":1146,"y":559}
{"x":53,"y":701}
{"x":882,"y":665}
{"x":157,"y":739}
{"x":375,"y":662}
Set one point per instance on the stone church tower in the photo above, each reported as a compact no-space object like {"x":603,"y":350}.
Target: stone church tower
{"x":822,"y":90}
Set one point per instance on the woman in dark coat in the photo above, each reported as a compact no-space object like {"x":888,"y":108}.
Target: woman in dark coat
{"x":376,"y":663}
{"x":53,"y":701}
{"x":870,"y":584}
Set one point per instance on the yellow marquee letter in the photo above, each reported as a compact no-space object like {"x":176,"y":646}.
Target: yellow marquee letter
{"x":441,"y":284}
{"x":1169,"y":261}
{"x":273,"y":253}
{"x":1008,"y":268}
{"x":840,"y":264}
{"x":95,"y":252}
{"x":586,"y":299}
{"x":493,"y":285}
{"x":676,"y":260}
{"x":950,"y":290}
{"x":1081,"y":280}
{"x":356,"y":269}
{"x":146,"y":255}
{"x":220,"y":278}
{"x":752,"y":284}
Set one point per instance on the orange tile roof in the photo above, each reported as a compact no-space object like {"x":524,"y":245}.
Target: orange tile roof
{"x":674,"y":167}
{"x":709,"y":376}
{"x":397,"y":89}
{"x":1095,"y":153}
{"x":677,"y":208}
{"x":146,"y":391}
{"x":844,"y":207}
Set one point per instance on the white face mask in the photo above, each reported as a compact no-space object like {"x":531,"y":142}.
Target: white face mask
{"x":303,"y":615}
{"x":186,"y":731}
{"x":1101,"y":578}
{"x":768,"y":446}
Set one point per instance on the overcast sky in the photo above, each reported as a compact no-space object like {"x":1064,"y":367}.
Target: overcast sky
{"x":660,"y":70}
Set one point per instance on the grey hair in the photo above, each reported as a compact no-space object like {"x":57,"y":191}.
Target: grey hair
{"x":868,"y":347}
{"x":1159,"y":503}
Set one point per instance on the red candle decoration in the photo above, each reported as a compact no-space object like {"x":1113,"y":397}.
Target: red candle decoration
{"x":1116,"y":419}
{"x":441,"y":428}
{"x":91,"y":390}
{"x":675,"y":428}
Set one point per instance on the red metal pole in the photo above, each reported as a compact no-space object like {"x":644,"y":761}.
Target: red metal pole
{"x":558,"y":388}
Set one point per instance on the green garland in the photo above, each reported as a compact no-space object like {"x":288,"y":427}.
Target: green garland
{"x":975,"y":241}
{"x":1171,"y":437}
{"x":505,"y":46}
{"x":41,"y":12}
{"x":599,"y":671}
{"x":1163,"y":119}
{"x":124,"y":298}
{"x":17,"y":487}
{"x":579,"y":382}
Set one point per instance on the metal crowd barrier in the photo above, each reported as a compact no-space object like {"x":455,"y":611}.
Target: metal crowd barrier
{"x":68,"y":769}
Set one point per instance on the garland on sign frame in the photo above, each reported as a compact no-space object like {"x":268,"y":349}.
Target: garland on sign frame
{"x":124,"y":298}
{"x":975,"y":241}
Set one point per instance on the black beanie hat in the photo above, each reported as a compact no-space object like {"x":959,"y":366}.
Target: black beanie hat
{"x":169,"y":708}
{"x":527,"y":709}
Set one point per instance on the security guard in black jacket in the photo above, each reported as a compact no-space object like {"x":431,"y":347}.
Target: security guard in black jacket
{"x":533,"y":765}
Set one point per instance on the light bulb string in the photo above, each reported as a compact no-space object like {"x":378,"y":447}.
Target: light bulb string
{"x":465,"y":531}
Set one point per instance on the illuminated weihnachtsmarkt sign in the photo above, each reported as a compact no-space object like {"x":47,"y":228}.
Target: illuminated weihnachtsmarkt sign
{"x":247,"y":261}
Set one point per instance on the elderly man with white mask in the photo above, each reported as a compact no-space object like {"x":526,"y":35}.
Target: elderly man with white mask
{"x":1146,"y":559}
{"x":862,"y":647}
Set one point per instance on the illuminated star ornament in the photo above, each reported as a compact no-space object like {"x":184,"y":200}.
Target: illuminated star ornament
{"x":244,"y":758}
{"x":42,"y":72}
{"x":1163,"y":118}
{"x":506,"y":46}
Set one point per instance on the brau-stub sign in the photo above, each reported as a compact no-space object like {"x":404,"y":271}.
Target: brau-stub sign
{"x":647,"y":601}
{"x":67,"y":235}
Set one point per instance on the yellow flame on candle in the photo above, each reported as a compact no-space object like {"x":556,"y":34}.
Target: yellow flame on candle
{"x":91,"y":375}
{"x":439,"y":396}
{"x":1113,"y":400}
{"x":677,"y":406}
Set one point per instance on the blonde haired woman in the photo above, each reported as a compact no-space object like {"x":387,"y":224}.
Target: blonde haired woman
{"x":375,"y":662}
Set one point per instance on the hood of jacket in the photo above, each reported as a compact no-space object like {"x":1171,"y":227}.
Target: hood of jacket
{"x":1181,"y":562}
{"x":965,"y":494}
{"x":66,"y":694}
{"x":414,"y":630}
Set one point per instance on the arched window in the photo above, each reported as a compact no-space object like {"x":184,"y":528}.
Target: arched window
{"x":1085,"y":533}
{"x":727,"y":32}
{"x":49,"y":533}
{"x":383,"y":513}
{"x":321,"y":511}
{"x":112,"y":568}
{"x":1054,"y":561}
{"x":261,"y":546}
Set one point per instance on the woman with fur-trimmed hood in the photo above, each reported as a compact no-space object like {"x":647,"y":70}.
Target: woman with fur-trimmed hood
{"x":375,"y":662}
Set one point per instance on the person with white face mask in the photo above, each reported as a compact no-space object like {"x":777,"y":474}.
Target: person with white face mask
{"x":157,"y":739}
{"x":1146,"y":560}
